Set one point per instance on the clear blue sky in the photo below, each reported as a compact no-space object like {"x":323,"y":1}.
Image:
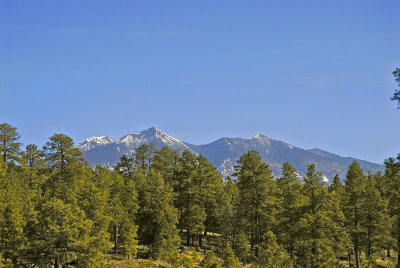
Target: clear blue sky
{"x":310,"y":73}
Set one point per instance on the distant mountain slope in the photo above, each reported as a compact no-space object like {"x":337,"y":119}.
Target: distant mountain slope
{"x":98,"y":151}
{"x":223,"y":153}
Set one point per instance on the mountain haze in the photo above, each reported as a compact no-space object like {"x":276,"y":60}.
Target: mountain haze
{"x":223,"y":153}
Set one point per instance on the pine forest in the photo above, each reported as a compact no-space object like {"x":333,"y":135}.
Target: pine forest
{"x":163,"y":208}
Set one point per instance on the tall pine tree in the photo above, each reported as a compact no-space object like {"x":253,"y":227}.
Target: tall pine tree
{"x":354,"y":190}
{"x":290,"y":210}
{"x":257,"y":198}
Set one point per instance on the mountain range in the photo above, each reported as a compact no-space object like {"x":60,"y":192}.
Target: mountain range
{"x":224,"y":152}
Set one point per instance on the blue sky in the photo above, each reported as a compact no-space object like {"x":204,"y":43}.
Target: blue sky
{"x":310,"y":73}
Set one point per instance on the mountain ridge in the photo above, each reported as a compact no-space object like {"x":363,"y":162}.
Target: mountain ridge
{"x":223,"y":153}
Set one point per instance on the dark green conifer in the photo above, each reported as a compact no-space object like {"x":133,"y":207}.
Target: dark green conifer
{"x":354,"y":191}
{"x":257,"y":202}
{"x":9,"y":145}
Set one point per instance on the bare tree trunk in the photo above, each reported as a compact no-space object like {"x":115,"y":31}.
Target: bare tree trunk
{"x":200,"y":240}
{"x":116,"y":239}
{"x":56,"y":263}
{"x":187,"y":237}
{"x":356,"y":242}
{"x":398,"y":241}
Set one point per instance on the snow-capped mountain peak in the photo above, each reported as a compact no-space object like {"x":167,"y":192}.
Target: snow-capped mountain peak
{"x":259,"y":136}
{"x":128,"y":143}
{"x":151,"y":135}
{"x":261,"y":139}
{"x":92,"y":142}
{"x":223,"y":153}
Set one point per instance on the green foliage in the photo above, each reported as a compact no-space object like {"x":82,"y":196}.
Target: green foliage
{"x":199,"y":190}
{"x":12,"y":220}
{"x":229,"y":258}
{"x":210,"y":261}
{"x":257,"y":197}
{"x":11,"y":231}
{"x":242,"y":247}
{"x":33,"y":159}
{"x":33,"y":156}
{"x":392,"y":191}
{"x":271,"y":254}
{"x":165,"y":162}
{"x":374,"y":208}
{"x":125,"y":166}
{"x":353,"y":198}
{"x":157,"y":217}
{"x":61,"y":153}
{"x":61,"y":235}
{"x":9,"y":145}
{"x":322,"y":220}
{"x":229,"y":218}
{"x":290,"y":210}
{"x":57,"y":211}
{"x":211,"y":194}
{"x":327,"y":259}
{"x":144,"y":155}
{"x":188,"y":201}
{"x":181,"y":260}
{"x":396,"y":94}
{"x":123,"y":205}
{"x":336,"y":186}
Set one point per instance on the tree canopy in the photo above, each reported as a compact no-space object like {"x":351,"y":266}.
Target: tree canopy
{"x":396,"y":94}
{"x":162,"y":206}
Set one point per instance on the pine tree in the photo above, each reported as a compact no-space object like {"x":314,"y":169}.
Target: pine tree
{"x":11,"y":224}
{"x":229,"y":218}
{"x":125,"y":166}
{"x":93,"y":197}
{"x":144,"y":155}
{"x":392,"y":175}
{"x":242,"y":247}
{"x":336,"y":186}
{"x":61,"y":235}
{"x":157,"y":217}
{"x":257,"y":197}
{"x":290,"y":210}
{"x":396,"y":94}
{"x":61,"y":153}
{"x":141,"y":156}
{"x":327,"y":259}
{"x":382,"y":183}
{"x":165,"y":162}
{"x":33,"y":156}
{"x":271,"y":254}
{"x":375,"y":214}
{"x":353,"y":195}
{"x":34,"y":160}
{"x":9,"y":145}
{"x":211,"y":190}
{"x":56,"y":211}
{"x":66,"y":170}
{"x":209,"y":261}
{"x":321,"y":221}
{"x":123,"y":206}
{"x":189,"y":200}
{"x":229,"y":258}
{"x":14,"y":198}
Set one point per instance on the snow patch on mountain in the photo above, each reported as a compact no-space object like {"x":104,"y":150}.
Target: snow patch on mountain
{"x":148,"y":136}
{"x":223,"y":153}
{"x":226,"y":167}
{"x":262,"y":139}
{"x":93,"y":142}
